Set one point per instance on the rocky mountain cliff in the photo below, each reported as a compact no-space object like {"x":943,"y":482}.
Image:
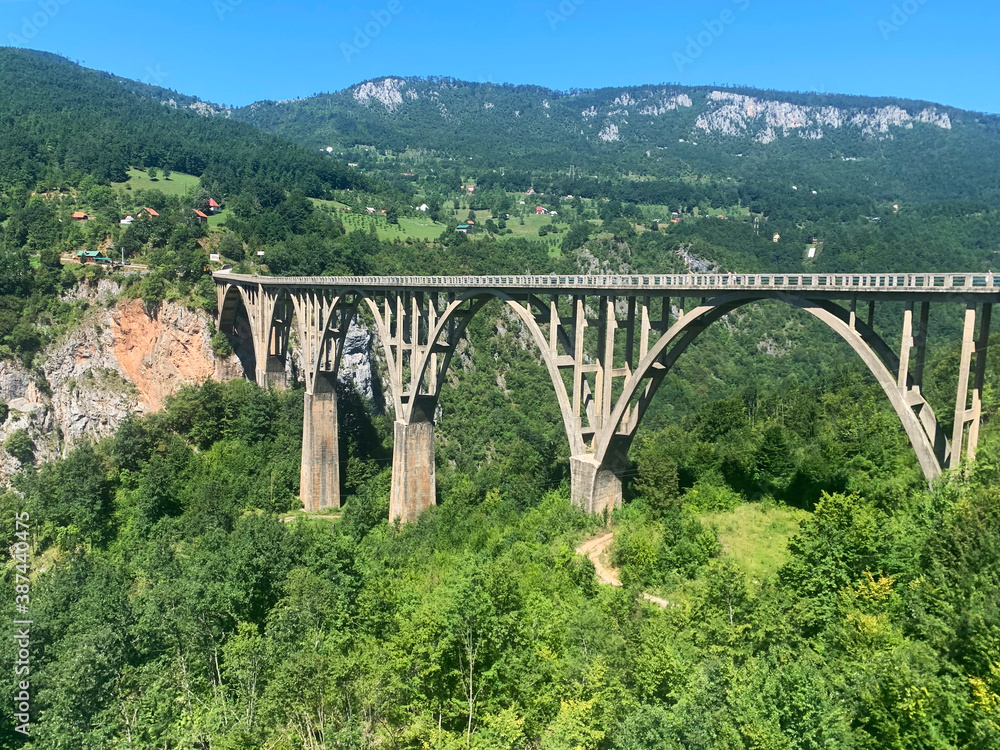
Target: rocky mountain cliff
{"x":121,"y":360}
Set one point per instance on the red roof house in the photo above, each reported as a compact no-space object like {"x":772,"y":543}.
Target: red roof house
{"x":151,"y":212}
{"x":80,"y":216}
{"x":540,"y":210}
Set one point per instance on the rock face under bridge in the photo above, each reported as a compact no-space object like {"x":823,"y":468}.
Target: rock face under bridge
{"x":607,"y":341}
{"x":122,"y":359}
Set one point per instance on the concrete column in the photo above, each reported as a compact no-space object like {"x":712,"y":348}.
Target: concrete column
{"x":274,"y":375}
{"x":320,"y":474}
{"x":593,"y":487}
{"x":413,"y":483}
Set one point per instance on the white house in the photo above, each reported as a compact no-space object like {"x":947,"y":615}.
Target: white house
{"x":423,"y":207}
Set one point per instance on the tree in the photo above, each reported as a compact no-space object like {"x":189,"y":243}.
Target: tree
{"x":153,"y":173}
{"x":21,"y":446}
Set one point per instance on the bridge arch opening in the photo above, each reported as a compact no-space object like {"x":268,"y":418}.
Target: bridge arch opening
{"x":235,"y":325}
{"x":877,"y":357}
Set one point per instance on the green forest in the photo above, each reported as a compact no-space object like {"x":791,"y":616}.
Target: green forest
{"x":789,"y":580}
{"x":179,"y":602}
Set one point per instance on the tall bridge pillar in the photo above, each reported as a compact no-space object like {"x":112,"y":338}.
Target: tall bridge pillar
{"x":320,"y":473}
{"x":594,"y":488}
{"x":595,"y":485}
{"x":272,"y":374}
{"x":413,"y":479}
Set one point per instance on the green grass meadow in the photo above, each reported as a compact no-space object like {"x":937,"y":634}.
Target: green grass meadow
{"x":178,"y":183}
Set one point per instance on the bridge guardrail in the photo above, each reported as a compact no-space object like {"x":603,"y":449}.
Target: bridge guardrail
{"x":835,"y":282}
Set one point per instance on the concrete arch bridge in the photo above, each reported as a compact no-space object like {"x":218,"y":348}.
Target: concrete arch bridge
{"x":607,"y":341}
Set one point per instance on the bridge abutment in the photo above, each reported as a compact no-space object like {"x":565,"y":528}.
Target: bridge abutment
{"x":319,"y":479}
{"x":413,"y":479}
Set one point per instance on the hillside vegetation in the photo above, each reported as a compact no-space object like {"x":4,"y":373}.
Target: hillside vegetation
{"x":817,"y":594}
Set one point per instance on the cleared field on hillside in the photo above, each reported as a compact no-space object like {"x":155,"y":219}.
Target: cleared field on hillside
{"x":178,"y":184}
{"x":418,"y":228}
{"x":757,"y":536}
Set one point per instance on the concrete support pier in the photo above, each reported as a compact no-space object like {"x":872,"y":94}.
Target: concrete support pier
{"x":413,"y":483}
{"x":593,"y":487}
{"x":274,"y":374}
{"x":320,"y":475}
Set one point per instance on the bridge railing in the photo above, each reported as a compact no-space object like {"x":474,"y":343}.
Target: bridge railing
{"x":861,"y":282}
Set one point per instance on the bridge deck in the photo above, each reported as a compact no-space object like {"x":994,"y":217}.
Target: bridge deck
{"x":884,"y":285}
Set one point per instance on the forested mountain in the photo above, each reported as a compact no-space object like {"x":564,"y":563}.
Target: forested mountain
{"x":790,"y":582}
{"x":61,"y":122}
{"x":757,"y":144}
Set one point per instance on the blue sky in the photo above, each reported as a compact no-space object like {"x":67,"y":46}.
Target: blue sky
{"x":239,"y":51}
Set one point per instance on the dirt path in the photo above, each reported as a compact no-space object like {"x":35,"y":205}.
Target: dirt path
{"x":596,"y":549}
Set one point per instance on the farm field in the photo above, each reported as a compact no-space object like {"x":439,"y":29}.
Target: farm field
{"x":417,"y":228}
{"x":178,"y":184}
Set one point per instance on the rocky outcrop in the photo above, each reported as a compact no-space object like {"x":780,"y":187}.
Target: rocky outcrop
{"x":388,"y":92}
{"x":766,"y":120}
{"x":121,"y":360}
{"x":357,"y":365}
{"x":161,"y":352}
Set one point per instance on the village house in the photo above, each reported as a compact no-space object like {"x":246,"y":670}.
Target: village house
{"x":463,"y":228}
{"x":93,"y":256}
{"x":540,"y":210}
{"x":80,"y":216}
{"x":213,"y":206}
{"x":202,"y":216}
{"x":150,"y":212}
{"x":127,"y":221}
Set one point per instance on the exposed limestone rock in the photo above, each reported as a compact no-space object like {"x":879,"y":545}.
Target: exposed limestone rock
{"x":121,"y":360}
{"x":694,"y":263}
{"x":388,"y":92}
{"x":100,"y":291}
{"x":609,"y":133}
{"x":357,"y":366}
{"x":667,"y":104}
{"x":160,"y":353}
{"x":766,"y":120}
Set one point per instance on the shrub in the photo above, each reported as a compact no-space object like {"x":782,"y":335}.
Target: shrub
{"x":21,"y":446}
{"x":220,"y":345}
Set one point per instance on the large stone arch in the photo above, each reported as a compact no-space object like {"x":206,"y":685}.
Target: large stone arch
{"x":929,"y":443}
{"x":237,"y":316}
{"x":479,"y":300}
